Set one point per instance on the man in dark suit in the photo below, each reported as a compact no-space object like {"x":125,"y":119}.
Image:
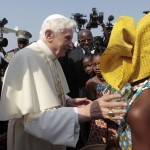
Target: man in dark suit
{"x":77,"y":77}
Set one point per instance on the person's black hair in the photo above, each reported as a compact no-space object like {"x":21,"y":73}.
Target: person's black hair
{"x":96,"y":53}
{"x":87,"y":55}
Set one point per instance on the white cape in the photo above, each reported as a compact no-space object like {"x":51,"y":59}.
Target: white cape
{"x":30,"y":84}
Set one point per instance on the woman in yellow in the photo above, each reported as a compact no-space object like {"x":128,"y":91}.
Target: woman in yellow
{"x":126,"y":60}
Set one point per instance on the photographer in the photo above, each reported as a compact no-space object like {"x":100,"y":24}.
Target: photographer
{"x":79,"y":18}
{"x":100,"y":42}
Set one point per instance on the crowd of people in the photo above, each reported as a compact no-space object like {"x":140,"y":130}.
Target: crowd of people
{"x":57,"y":96}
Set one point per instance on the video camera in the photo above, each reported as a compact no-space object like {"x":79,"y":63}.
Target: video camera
{"x":3,"y":41}
{"x":146,"y":12}
{"x":96,"y":18}
{"x":79,"y":18}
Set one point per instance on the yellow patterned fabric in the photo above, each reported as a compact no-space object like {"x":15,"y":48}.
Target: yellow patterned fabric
{"x":126,"y":59}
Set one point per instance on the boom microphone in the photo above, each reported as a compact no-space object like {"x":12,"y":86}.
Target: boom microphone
{"x":111,"y":18}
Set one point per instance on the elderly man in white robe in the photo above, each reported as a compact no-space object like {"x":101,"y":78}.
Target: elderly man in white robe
{"x":34,"y":95}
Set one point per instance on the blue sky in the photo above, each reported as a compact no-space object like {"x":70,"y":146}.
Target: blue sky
{"x":29,"y":14}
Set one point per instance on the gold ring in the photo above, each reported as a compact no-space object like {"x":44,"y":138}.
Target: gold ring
{"x":111,"y":113}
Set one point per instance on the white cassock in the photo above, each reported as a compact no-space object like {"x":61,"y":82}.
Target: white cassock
{"x":32,"y":100}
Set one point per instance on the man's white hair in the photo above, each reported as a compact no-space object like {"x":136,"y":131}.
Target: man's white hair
{"x":57,"y":23}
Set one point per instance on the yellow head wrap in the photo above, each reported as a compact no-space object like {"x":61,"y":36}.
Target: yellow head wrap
{"x":126,"y":59}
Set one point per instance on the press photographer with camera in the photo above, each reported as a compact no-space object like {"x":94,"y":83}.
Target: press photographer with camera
{"x":79,"y":18}
{"x":96,"y":20}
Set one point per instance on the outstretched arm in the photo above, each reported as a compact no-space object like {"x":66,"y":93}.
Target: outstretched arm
{"x":60,"y":126}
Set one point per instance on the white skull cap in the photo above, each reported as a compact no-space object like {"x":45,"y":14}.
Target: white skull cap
{"x":55,"y":16}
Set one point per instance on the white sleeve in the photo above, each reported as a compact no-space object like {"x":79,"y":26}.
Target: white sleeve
{"x":67,"y":97}
{"x":58,"y":126}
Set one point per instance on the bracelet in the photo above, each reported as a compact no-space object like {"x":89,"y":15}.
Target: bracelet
{"x":95,"y":111}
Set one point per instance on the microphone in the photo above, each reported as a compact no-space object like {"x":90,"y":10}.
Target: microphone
{"x":110,"y":18}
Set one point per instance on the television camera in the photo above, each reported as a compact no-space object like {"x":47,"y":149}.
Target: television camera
{"x":95,"y":18}
{"x":146,"y":12}
{"x":3,"y":41}
{"x":79,"y":18}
